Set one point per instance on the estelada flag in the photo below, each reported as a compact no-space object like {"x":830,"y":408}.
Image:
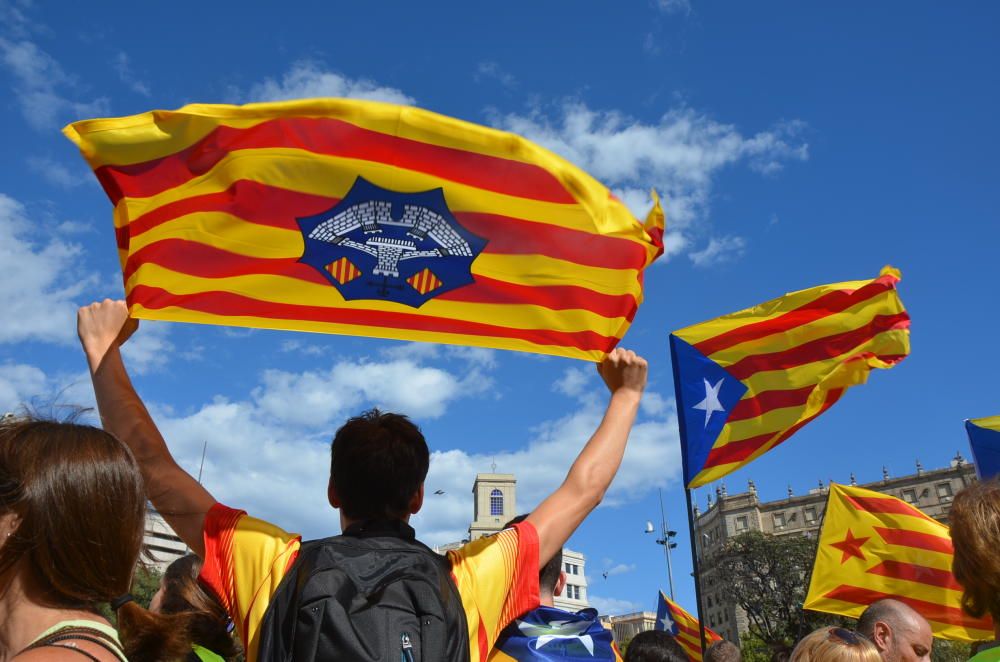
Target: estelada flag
{"x":873,"y":546}
{"x":984,"y":439}
{"x":747,"y":381}
{"x":672,"y":618}
{"x":366,"y":218}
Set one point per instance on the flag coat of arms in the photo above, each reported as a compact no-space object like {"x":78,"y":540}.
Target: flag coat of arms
{"x":873,"y":546}
{"x":366,"y":218}
{"x":672,"y":618}
{"x":984,"y":438}
{"x":747,"y":381}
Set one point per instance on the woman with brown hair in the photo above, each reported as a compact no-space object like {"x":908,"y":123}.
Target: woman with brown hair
{"x":975,"y":534}
{"x":72,"y":509}
{"x":832,"y":644}
{"x":210,"y":627}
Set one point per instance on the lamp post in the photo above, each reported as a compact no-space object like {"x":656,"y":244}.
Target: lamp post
{"x":667,"y":540}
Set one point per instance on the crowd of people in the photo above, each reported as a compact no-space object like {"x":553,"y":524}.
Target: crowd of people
{"x":73,"y":503}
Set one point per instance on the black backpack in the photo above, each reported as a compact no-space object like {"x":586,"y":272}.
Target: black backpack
{"x":374,"y":594}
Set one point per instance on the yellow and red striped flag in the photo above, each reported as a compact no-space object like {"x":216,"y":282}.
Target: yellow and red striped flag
{"x":747,"y":381}
{"x":672,"y":618}
{"x":366,"y":218}
{"x":875,"y":546}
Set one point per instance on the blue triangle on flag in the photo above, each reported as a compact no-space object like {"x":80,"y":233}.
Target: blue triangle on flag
{"x":985,"y":443}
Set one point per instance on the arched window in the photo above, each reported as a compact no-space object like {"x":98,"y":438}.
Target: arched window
{"x":496,"y":502}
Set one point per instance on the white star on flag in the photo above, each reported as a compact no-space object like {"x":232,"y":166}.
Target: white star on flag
{"x":557,"y":630}
{"x":668,"y":623}
{"x":711,"y":402}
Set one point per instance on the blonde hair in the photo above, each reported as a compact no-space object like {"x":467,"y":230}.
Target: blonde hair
{"x":834,"y":644}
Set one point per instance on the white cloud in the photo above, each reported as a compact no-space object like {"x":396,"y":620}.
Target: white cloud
{"x":719,"y":249}
{"x":674,"y":6}
{"x":151,"y":349}
{"x":492,"y":71}
{"x":681,"y":155}
{"x":57,"y":174}
{"x":613,"y":606}
{"x":123,"y":67}
{"x":40,"y":85}
{"x":39,"y":281}
{"x":574,"y":381}
{"x":308,"y":79}
{"x":611,"y":568}
{"x":23,"y":385}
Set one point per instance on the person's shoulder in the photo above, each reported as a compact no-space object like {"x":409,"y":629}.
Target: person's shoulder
{"x":67,"y":653}
{"x":991,"y":654}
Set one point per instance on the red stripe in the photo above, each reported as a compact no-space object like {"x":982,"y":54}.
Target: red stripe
{"x":915,"y":539}
{"x":917,"y":573}
{"x":818,"y":349}
{"x":228,"y":304}
{"x":334,"y":138}
{"x":197,"y":259}
{"x":765,"y":401}
{"x":820,"y":307}
{"x":737,"y":451}
{"x":483,"y":641}
{"x":277,"y":207}
{"x":932,"y":611}
{"x":890,"y":505}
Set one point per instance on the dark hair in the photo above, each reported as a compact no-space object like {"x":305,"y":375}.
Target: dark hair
{"x":82,"y":505}
{"x":378,"y":461}
{"x":654,"y":646}
{"x":209,"y":626}
{"x":723,"y":651}
{"x":975,"y":533}
{"x":548,"y":574}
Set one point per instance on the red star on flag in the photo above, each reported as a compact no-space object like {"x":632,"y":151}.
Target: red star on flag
{"x":850,"y":546}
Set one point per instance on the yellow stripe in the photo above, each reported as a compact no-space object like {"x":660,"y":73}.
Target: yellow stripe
{"x":280,"y":289}
{"x":333,"y":176}
{"x":766,"y":311}
{"x":175,"y":314}
{"x":853,"y":610}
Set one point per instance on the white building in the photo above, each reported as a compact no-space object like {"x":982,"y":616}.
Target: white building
{"x":161,"y":545}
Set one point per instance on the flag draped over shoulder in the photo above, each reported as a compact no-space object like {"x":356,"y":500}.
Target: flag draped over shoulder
{"x":672,"y":618}
{"x":747,"y":381}
{"x":874,"y":546}
{"x":548,"y":634}
{"x":984,"y":438}
{"x":366,"y":218}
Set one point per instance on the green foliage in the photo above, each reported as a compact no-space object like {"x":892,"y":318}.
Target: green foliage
{"x":145,"y":584}
{"x":950,"y":651}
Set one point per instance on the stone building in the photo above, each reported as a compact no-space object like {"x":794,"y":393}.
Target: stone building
{"x":626,"y":626}
{"x":161,"y":545}
{"x":800,"y":515}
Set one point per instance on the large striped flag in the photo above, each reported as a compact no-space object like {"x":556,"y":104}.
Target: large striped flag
{"x":672,"y":618}
{"x":747,"y":381}
{"x":365,"y":218}
{"x":874,"y":546}
{"x":984,"y":439}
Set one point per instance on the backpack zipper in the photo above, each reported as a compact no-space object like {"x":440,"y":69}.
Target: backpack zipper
{"x":407,"y":647}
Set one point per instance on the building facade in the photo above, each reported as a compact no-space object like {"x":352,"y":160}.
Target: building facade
{"x":161,"y":545}
{"x":626,"y":626}
{"x":801,"y":515}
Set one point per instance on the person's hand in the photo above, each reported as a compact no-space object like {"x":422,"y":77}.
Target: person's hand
{"x":623,"y":370}
{"x":103,"y":325}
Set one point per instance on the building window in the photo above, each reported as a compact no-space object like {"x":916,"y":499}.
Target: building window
{"x":910,"y":496}
{"x":576,"y":569}
{"x":944,"y":491}
{"x":741,"y":523}
{"x":709,"y":601}
{"x":496,"y":502}
{"x":568,"y":567}
{"x":810,"y":515}
{"x":779,"y":520}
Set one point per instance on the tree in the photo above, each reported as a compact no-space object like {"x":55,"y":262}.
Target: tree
{"x":767,"y":577}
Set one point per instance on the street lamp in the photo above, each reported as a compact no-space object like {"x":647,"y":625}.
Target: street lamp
{"x":667,"y":540}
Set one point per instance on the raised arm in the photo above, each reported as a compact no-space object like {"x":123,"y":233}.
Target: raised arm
{"x":182,"y":501}
{"x":558,"y":516}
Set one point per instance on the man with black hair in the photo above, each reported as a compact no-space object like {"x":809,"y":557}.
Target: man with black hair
{"x":550,"y":633}
{"x":654,"y":646}
{"x":378,"y":465}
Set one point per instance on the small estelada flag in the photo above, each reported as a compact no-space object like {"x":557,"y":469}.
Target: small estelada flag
{"x":984,"y":439}
{"x":672,"y":618}
{"x":875,"y":546}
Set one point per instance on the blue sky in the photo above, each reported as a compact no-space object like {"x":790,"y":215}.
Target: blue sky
{"x":795,"y":145}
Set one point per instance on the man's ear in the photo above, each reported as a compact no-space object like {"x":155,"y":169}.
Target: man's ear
{"x":331,"y":494}
{"x":417,"y":501}
{"x":882,"y":636}
{"x":560,"y":585}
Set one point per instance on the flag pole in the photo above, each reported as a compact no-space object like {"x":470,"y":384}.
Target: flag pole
{"x":697,"y":569}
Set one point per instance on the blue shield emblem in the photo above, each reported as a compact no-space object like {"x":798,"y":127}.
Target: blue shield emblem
{"x":383,"y":245}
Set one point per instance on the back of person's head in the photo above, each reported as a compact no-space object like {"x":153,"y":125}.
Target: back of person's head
{"x":378,"y":461}
{"x":975,"y":532}
{"x":180,"y":592}
{"x":898,"y":631}
{"x":833,"y":644}
{"x":723,"y":651}
{"x":654,"y":646}
{"x":550,"y":573}
{"x":78,"y":507}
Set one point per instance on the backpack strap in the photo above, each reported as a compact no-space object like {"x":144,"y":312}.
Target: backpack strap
{"x":82,"y":633}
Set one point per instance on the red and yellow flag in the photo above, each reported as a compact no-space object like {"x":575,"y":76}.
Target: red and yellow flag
{"x":874,"y":546}
{"x":747,"y":381}
{"x":365,"y":218}
{"x":673,"y":618}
